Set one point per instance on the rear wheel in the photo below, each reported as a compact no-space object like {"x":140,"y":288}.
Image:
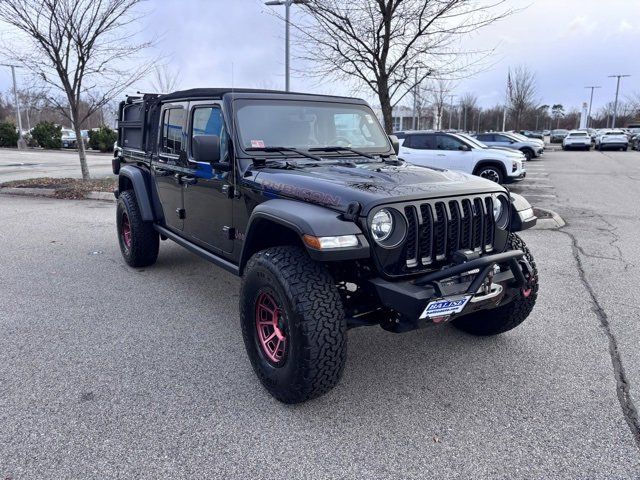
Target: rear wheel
{"x":491,"y":172}
{"x":139,"y":242}
{"x":502,"y":319}
{"x":293,"y":324}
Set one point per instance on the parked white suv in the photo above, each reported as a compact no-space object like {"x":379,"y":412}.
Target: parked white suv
{"x":615,"y":139}
{"x":460,"y":152}
{"x":577,"y":139}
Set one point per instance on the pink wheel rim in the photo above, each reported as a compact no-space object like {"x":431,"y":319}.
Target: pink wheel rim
{"x":126,"y":230}
{"x":270,"y":324}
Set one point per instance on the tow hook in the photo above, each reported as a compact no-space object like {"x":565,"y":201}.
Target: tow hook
{"x":526,"y":269}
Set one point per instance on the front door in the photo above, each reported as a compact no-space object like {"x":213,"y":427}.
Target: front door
{"x":169,"y":164}
{"x":207,"y":192}
{"x":455,"y":152}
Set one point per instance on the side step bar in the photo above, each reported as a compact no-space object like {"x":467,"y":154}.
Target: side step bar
{"x":201,"y":252}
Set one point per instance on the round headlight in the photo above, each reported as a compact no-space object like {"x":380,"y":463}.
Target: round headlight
{"x":382,"y":225}
{"x":498,"y":208}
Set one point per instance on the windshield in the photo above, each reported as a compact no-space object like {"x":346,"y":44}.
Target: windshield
{"x":520,"y":138}
{"x":305,"y":125}
{"x":474,"y":141}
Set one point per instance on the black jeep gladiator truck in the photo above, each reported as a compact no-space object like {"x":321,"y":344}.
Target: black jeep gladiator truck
{"x":304,"y":197}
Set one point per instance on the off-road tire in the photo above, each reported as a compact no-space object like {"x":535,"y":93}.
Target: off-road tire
{"x":144,"y":240}
{"x":502,"y":319}
{"x":315,"y":324}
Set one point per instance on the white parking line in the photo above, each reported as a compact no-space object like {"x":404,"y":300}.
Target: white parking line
{"x":540,"y":195}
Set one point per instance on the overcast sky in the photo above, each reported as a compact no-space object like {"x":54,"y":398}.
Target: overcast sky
{"x":567,"y":43}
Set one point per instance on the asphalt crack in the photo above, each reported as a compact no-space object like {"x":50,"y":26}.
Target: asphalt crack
{"x":623,"y":387}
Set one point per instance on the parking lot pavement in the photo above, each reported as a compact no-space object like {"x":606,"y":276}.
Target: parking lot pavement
{"x":109,"y":371}
{"x":18,"y":165}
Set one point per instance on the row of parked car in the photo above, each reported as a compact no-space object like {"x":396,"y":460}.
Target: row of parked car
{"x":497,"y":156}
{"x":602,"y":139}
{"x":618,"y":138}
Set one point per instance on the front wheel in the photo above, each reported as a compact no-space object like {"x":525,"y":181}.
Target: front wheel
{"x":528,"y":154}
{"x":502,"y":319}
{"x":293,"y":324}
{"x":491,"y":172}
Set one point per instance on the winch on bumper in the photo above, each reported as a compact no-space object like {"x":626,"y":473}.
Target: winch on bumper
{"x":472,"y":282}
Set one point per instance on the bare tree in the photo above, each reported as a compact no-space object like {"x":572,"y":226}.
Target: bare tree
{"x":440,"y":90}
{"x":468,"y":104}
{"x":521,"y":93}
{"x":557,"y":112}
{"x":76,"y":49}
{"x":392,"y":45}
{"x":165,"y":79}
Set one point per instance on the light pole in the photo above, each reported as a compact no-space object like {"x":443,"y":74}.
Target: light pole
{"x":451,"y":109}
{"x":287,"y":5}
{"x":615,"y":104}
{"x":21,"y":143}
{"x":592,"y":87}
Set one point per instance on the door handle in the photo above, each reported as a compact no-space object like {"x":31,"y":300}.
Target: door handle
{"x":160,"y":170}
{"x":441,"y":155}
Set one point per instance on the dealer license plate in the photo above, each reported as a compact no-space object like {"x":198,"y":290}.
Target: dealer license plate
{"x":445,"y":307}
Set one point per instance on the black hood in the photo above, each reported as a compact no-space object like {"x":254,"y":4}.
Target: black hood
{"x":369,"y":184}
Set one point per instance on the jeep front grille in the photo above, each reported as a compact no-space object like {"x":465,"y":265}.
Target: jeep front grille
{"x":437,"y":228}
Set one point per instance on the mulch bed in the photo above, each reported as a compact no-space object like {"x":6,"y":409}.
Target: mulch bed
{"x":69,"y":188}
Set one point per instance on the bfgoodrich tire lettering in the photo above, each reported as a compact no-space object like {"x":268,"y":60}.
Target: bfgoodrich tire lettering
{"x":139,"y":242}
{"x":509,"y":316}
{"x":314,"y":323}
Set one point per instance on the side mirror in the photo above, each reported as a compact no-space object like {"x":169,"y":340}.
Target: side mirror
{"x":206,"y":148}
{"x":395,"y":143}
{"x":464,"y":148}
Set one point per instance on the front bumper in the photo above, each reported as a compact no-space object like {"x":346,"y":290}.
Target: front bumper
{"x":410,"y":298}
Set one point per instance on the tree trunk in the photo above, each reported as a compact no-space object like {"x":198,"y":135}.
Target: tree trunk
{"x":385,"y":105}
{"x":80,"y":144}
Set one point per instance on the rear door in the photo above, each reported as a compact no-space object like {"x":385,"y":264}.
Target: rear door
{"x":487,"y":138}
{"x":420,"y":149}
{"x":208,"y":193}
{"x":169,"y":163}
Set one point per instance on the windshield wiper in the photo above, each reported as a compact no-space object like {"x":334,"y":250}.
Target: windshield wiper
{"x":337,"y":148}
{"x":282,"y":150}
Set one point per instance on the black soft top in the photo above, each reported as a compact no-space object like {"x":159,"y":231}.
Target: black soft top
{"x":218,"y":93}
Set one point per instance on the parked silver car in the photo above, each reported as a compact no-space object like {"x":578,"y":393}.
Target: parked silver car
{"x":530,"y":147}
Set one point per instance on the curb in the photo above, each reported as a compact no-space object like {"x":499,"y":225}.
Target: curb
{"x":50,"y":192}
{"x":552,"y":223}
{"x":31,"y":192}
{"x":103,"y":196}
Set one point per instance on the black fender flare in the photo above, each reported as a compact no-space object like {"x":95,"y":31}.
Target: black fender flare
{"x":139,"y":180}
{"x":522,"y":216}
{"x":493,"y":163}
{"x":304,"y":218}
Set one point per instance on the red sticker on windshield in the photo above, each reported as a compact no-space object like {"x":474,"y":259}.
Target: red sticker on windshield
{"x":257,"y":143}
